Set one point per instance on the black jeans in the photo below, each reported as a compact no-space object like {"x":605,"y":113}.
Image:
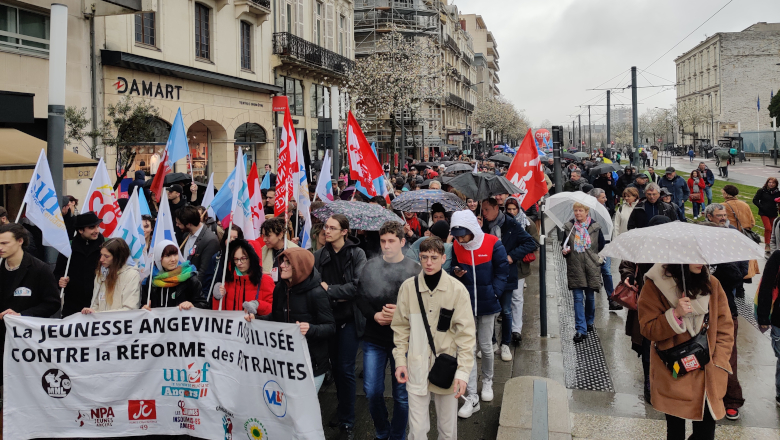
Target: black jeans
{"x":704,"y":430}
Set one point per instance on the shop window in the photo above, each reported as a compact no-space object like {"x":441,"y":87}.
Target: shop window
{"x":202,"y":31}
{"x":246,"y":46}
{"x":250,"y":132}
{"x":24,"y":30}
{"x":145,"y":28}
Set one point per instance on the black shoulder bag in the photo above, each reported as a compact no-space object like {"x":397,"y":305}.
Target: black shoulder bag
{"x":442,"y":373}
{"x":691,"y":355}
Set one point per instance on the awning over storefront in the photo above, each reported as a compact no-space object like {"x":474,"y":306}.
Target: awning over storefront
{"x":19,"y":152}
{"x":144,"y":64}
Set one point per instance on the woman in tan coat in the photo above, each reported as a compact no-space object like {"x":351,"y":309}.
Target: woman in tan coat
{"x":739,"y":213}
{"x":669,"y":318}
{"x":117,"y":285}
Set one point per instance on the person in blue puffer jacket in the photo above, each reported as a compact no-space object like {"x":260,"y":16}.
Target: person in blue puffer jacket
{"x":479,"y":262}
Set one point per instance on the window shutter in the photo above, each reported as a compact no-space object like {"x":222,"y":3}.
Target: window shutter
{"x":349,"y":37}
{"x":283,"y":24}
{"x":329,"y":26}
{"x":299,"y":18}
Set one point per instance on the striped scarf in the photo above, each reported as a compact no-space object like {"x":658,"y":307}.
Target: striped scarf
{"x":174,"y":277}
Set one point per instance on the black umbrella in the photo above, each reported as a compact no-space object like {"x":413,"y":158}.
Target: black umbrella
{"x":170,"y":179}
{"x":483,"y":185}
{"x":605,"y":168}
{"x":569,"y":156}
{"x":424,"y":165}
{"x":501,"y":158}
{"x":458,"y":167}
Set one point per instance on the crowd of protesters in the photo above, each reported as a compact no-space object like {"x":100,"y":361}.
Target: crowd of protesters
{"x":453,"y":274}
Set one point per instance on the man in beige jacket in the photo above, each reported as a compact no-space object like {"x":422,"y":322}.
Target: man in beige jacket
{"x":442,"y":295}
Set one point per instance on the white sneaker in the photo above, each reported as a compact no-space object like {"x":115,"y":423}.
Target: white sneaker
{"x":525,"y":284}
{"x":479,"y":354}
{"x":495,"y":348}
{"x":487,"y":391}
{"x":469,"y":407}
{"x":506,"y":354}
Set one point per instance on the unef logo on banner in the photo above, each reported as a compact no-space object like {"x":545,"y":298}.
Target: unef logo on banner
{"x":191,"y":383}
{"x":147,"y":89}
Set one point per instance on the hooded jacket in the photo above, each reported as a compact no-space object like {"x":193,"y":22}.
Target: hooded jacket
{"x":685,"y":396}
{"x":517,"y":242}
{"x":342,"y":296}
{"x":83,"y":263}
{"x":189,"y":290}
{"x":126,"y":296}
{"x":303,"y":299}
{"x":138,"y":182}
{"x":485,"y":263}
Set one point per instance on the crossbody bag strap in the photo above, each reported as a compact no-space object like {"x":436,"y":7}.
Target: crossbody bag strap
{"x":735,"y":216}
{"x":424,"y":315}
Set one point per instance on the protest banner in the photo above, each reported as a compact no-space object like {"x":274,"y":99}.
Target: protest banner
{"x":202,"y":373}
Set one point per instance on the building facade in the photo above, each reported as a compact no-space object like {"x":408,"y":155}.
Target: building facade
{"x":209,"y":58}
{"x":24,"y":90}
{"x":313,"y":54}
{"x":460,"y":75}
{"x":728,"y":72}
{"x":485,"y":62}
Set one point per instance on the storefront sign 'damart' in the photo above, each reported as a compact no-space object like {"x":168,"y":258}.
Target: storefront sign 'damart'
{"x":165,"y":91}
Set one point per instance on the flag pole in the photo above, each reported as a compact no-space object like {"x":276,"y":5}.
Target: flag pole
{"x":149,"y":293}
{"x":227,"y":251}
{"x":19,"y":214}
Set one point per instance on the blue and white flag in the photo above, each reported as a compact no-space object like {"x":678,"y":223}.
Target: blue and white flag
{"x":324,"y":189}
{"x":209,"y":196}
{"x":758,"y":102}
{"x":163,"y":227}
{"x":178,"y":147}
{"x":240,"y":204}
{"x":43,"y":208}
{"x":131,"y":230}
{"x":143,"y":203}
{"x":221,"y":205}
{"x":266,"y":183}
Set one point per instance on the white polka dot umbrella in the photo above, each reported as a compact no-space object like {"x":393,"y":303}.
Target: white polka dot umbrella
{"x":683,"y":243}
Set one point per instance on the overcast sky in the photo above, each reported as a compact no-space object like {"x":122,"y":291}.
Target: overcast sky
{"x":551,"y":51}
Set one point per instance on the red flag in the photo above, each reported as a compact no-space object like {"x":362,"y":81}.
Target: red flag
{"x":159,"y":179}
{"x":255,"y":199}
{"x":526,"y":173}
{"x":288,"y":164}
{"x":363,"y":164}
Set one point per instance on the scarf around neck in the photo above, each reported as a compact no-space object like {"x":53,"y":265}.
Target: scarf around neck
{"x":581,"y":236}
{"x":494,"y":227}
{"x":174,"y":277}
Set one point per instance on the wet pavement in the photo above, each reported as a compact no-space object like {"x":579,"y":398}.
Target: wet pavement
{"x":614,"y":411}
{"x":753,"y":172}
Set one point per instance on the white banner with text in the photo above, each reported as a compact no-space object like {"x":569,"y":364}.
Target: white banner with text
{"x":204,"y":373}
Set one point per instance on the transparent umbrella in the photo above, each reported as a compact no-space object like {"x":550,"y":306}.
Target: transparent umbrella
{"x":560,"y":209}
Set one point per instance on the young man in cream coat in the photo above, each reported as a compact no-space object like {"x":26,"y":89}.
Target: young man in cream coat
{"x":412,"y":353}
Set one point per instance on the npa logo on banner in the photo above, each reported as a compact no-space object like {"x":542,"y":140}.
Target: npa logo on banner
{"x":202,"y":373}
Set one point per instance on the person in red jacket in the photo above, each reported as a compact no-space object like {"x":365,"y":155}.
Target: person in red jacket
{"x":246,"y":287}
{"x":696,"y":185}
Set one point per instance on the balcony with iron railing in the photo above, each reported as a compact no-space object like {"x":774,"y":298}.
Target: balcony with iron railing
{"x":469,"y":60}
{"x":456,"y":101}
{"x":451,"y":44}
{"x":298,"y":51}
{"x":259,"y":7}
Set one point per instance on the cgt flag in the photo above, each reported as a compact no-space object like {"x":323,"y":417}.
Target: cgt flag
{"x":43,"y":208}
{"x":379,"y":184}
{"x":526,"y":173}
{"x":102,"y":201}
{"x":288,"y":165}
{"x":363,"y":164}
